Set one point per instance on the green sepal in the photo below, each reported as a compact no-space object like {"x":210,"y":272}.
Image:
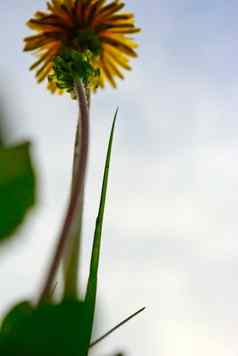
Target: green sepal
{"x":72,"y":65}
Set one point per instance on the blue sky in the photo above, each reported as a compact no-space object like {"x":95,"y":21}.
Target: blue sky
{"x":170,"y":234}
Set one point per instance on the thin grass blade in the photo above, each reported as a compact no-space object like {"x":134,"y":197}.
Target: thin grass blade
{"x":90,"y":298}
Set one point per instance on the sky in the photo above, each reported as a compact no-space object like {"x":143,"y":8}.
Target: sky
{"x":170,"y":232}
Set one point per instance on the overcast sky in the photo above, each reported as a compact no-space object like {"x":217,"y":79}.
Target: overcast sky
{"x":170,"y":238}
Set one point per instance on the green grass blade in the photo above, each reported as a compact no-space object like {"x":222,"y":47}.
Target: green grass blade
{"x":91,"y":291}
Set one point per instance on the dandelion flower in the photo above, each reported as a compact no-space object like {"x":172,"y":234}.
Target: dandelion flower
{"x":95,"y":25}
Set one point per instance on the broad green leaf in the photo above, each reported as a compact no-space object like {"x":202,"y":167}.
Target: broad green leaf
{"x":15,"y":317}
{"x":17,"y":187}
{"x":90,"y":298}
{"x":49,"y":329}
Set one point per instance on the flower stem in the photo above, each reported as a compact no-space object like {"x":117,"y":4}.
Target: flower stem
{"x":72,"y":252}
{"x":70,"y":221}
{"x":71,"y":258}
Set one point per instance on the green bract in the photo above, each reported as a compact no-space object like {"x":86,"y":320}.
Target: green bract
{"x":72,"y":65}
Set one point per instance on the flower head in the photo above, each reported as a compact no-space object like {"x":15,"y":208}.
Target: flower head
{"x":83,"y":25}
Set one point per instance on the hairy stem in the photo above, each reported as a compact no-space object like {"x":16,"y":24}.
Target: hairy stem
{"x":76,"y":194}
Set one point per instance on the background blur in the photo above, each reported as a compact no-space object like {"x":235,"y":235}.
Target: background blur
{"x":170,"y":235}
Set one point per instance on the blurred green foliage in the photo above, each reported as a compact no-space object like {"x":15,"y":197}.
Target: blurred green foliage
{"x":17,"y":187}
{"x":49,"y":329}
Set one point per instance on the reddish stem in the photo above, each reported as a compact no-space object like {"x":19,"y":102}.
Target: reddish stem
{"x":76,"y":195}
